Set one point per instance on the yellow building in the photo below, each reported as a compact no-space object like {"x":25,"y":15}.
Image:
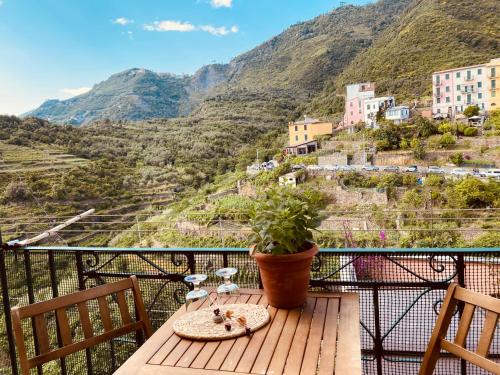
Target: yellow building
{"x":300,"y":132}
{"x":493,"y":75}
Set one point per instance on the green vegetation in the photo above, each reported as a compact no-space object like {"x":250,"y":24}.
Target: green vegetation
{"x":471,"y":110}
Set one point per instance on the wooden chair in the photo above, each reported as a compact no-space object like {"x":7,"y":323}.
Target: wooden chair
{"x":58,"y":305}
{"x":437,"y":342}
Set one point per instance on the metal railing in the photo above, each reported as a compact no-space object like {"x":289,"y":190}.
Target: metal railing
{"x":400,"y":294}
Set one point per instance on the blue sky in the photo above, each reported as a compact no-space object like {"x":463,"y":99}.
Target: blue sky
{"x":59,"y":48}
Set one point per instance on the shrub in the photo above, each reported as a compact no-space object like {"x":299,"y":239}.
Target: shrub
{"x":445,"y":127}
{"x":383,"y":145}
{"x":424,"y":127}
{"x":447,"y":139}
{"x":491,"y":239}
{"x":434,"y":180}
{"x":457,"y":158}
{"x":16,"y":191}
{"x":470,"y":132}
{"x":417,"y":148}
{"x":471,"y":110}
{"x":473,"y":193}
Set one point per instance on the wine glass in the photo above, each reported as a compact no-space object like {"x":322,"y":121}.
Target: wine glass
{"x":228,"y":288}
{"x":197,"y":293}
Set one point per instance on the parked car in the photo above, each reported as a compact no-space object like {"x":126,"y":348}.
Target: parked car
{"x":314,"y":167}
{"x":477,"y":173}
{"x":297,"y":167}
{"x":435,"y":170}
{"x":391,"y":168}
{"x":347,"y":168}
{"x":370,"y":168}
{"x":411,"y":169}
{"x":331,"y":168}
{"x":460,"y":172}
{"x":495,"y":173}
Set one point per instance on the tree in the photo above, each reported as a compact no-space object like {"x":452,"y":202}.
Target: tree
{"x":417,"y":148}
{"x":424,"y":127}
{"x":473,"y":193}
{"x":471,"y":110}
{"x":445,"y":127}
{"x":390,"y":133}
{"x":447,"y":139}
{"x":457,"y":158}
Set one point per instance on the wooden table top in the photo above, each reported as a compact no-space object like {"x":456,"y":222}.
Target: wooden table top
{"x":323,"y":337}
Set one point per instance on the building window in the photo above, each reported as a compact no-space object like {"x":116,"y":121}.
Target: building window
{"x":482,"y":105}
{"x":296,"y":128}
{"x":457,"y":75}
{"x":438,"y":110}
{"x":447,"y":76}
{"x":296,"y":137}
{"x":305,"y":137}
{"x":493,"y":72}
{"x":438,"y":100}
{"x":469,"y":98}
{"x":469,"y":75}
{"x":459,"y":98}
{"x":447,"y":99}
{"x":479,"y":85}
{"x":351,"y":113}
{"x":368,"y":106}
{"x":305,"y":127}
{"x":437,"y":80}
{"x":480,"y":95}
{"x":479,"y":71}
{"x":493,"y":94}
{"x":438,"y":91}
{"x":350,"y":104}
{"x":493,"y":84}
{"x":458,"y":87}
{"x":447,"y":88}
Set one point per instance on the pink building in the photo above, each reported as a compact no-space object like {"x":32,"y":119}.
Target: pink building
{"x":354,"y":102}
{"x":455,"y":89}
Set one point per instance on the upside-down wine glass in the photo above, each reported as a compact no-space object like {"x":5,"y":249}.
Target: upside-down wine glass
{"x":197,"y":293}
{"x":228,"y":288}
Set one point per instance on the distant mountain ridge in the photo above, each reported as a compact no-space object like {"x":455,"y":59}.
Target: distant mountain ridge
{"x":395,"y":43}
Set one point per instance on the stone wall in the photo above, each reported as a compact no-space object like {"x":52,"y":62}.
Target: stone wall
{"x":351,"y":197}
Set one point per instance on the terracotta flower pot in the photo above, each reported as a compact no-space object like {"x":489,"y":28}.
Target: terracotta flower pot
{"x":286,"y":277}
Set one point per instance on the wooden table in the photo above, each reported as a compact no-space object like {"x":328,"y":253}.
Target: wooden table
{"x":321,"y":338}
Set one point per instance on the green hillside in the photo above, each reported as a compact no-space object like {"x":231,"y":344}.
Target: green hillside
{"x":431,"y":35}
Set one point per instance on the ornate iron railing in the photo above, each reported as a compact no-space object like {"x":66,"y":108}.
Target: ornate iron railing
{"x":400,"y":294}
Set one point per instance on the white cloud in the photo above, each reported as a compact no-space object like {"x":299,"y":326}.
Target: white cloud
{"x":121,"y":21}
{"x":219,"y":31}
{"x":170,"y":26}
{"x":1,"y":3}
{"x":74,"y":92}
{"x":188,"y":27}
{"x":221,"y":3}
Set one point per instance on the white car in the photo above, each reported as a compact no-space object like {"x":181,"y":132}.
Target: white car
{"x":412,"y":169}
{"x":331,"y":168}
{"x":314,"y":167}
{"x":435,"y":170}
{"x":495,"y":173}
{"x":460,"y":172}
{"x":347,"y":168}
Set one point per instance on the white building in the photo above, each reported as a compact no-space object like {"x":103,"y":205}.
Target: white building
{"x":398,"y":114}
{"x":375,"y":105}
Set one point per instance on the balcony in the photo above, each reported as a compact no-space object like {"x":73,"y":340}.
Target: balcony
{"x":400,"y":289}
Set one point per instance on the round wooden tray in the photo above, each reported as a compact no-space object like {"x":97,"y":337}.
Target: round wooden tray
{"x":198,"y":325}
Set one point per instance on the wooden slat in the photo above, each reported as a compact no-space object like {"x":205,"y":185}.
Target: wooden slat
{"x":225,"y":346}
{"x":478,"y":299}
{"x":490,"y":324}
{"x":329,"y":347}
{"x":42,"y":334}
{"x":348,"y":361}
{"x":252,"y":350}
{"x":83,"y":311}
{"x":269,"y":345}
{"x":140,"y":307}
{"x":210,"y":347}
{"x":464,"y":324}
{"x":280,"y":354}
{"x":122,"y":304}
{"x":20,"y":345}
{"x":471,"y":357}
{"x":311,"y":355}
{"x":168,"y":370}
{"x":439,"y":332}
{"x":93,"y":341}
{"x":74,"y":298}
{"x":241,"y":343}
{"x":105,"y":314}
{"x":170,"y":338}
{"x":299,"y":342}
{"x":64,"y":328}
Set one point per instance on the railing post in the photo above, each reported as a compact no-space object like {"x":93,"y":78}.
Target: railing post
{"x":6,"y":308}
{"x":377,"y":345}
{"x":81,"y":286}
{"x":31,"y":299}
{"x":461,"y":282}
{"x":55,"y":294}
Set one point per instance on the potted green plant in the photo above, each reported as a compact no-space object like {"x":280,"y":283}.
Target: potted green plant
{"x":282,"y":223}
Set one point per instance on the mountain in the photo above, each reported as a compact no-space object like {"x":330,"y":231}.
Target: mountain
{"x":134,"y":94}
{"x":395,"y":43}
{"x":430,"y":35}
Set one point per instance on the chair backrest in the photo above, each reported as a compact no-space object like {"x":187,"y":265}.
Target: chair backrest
{"x":37,"y":313}
{"x":471,"y":300}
